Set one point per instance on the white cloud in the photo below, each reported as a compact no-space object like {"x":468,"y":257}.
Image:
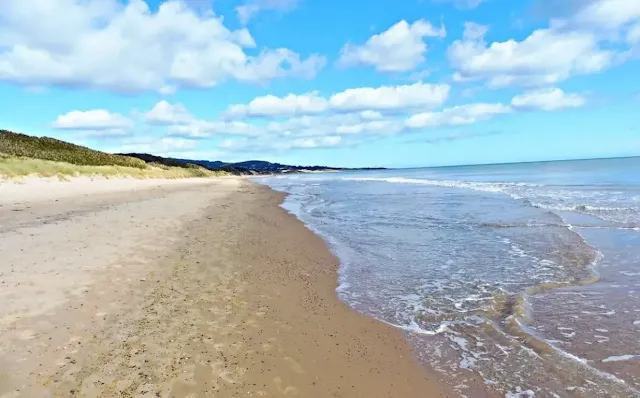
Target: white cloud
{"x":251,"y":8}
{"x":308,"y":143}
{"x":548,"y":99}
{"x":350,"y":117}
{"x":164,"y":146}
{"x":105,"y":134}
{"x":369,"y":100}
{"x":457,"y":116}
{"x":391,"y":98}
{"x":207,"y":128}
{"x":268,"y":145}
{"x":98,"y":119}
{"x":378,"y":127}
{"x":164,"y":113}
{"x":401,"y":48}
{"x":633,"y":35}
{"x":590,"y":40}
{"x":271,"y":106}
{"x":180,"y":122}
{"x":129,"y":48}
{"x":334,"y":124}
{"x":605,"y":14}
{"x":545,"y":57}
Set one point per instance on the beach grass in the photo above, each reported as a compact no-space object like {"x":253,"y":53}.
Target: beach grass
{"x":16,"y":167}
{"x":25,"y":146}
{"x":22,"y":155}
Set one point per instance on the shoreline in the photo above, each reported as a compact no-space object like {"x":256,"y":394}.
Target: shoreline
{"x":215,"y":289}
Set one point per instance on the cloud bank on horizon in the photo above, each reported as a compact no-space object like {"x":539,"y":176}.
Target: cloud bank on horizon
{"x":318,"y":82}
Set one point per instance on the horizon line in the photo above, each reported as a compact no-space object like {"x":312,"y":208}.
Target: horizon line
{"x":513,"y":163}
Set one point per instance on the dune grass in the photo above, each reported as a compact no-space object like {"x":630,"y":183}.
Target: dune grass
{"x":45,"y":148}
{"x":15,"y":167}
{"x":22,"y":155}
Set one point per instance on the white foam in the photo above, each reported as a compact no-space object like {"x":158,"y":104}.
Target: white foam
{"x":413,"y":327}
{"x":520,"y":393}
{"x":617,"y":358}
{"x":479,"y":186}
{"x":467,"y":362}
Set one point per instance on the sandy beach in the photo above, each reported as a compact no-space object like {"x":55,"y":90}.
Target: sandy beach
{"x":185,"y":288}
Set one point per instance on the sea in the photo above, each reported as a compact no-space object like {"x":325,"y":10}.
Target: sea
{"x":514,"y":280}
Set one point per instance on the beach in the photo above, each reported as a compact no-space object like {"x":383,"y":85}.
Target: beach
{"x":186,"y":288}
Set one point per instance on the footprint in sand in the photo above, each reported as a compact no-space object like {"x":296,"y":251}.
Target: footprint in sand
{"x":26,"y":334}
{"x":286,"y":391}
{"x":295,"y":366}
{"x":261,"y":314}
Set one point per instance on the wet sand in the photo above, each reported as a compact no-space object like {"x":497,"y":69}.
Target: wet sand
{"x":189,"y":290}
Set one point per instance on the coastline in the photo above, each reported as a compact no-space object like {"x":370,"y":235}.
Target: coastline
{"x":213,"y":290}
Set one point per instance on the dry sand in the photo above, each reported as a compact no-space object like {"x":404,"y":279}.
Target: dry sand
{"x":181,"y":289}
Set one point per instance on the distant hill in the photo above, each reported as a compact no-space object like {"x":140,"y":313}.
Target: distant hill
{"x":280,"y":168}
{"x":205,"y":163}
{"x":249,"y":167}
{"x":45,"y":148}
{"x":186,"y":163}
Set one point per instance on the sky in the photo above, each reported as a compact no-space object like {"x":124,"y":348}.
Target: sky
{"x":354,"y":83}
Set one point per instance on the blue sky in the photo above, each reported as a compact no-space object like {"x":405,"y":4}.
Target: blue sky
{"x":399,"y":83}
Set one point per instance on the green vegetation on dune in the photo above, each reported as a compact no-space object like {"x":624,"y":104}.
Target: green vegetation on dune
{"x":45,"y":148}
{"x":22,"y":155}
{"x":11,"y":167}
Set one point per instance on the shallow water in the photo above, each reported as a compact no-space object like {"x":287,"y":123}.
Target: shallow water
{"x":525,"y":276}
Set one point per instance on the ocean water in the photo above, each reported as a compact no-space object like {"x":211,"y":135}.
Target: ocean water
{"x":519,"y":280}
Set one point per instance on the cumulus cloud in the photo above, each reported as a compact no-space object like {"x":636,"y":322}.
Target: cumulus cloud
{"x":164,"y":113}
{"x":261,"y":145}
{"x":307,"y":143}
{"x":270,"y":105}
{"x":345,"y":118}
{"x":604,"y":14}
{"x":251,"y":8}
{"x":589,"y":40}
{"x":208,"y":128}
{"x":401,"y":48}
{"x":457,"y":116}
{"x":633,"y":35}
{"x":548,"y":99}
{"x":98,"y":119}
{"x":543,"y":58}
{"x":335,"y":124}
{"x":128,"y":47}
{"x":163,"y":146}
{"x":390,"y":98}
{"x":370,"y":100}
